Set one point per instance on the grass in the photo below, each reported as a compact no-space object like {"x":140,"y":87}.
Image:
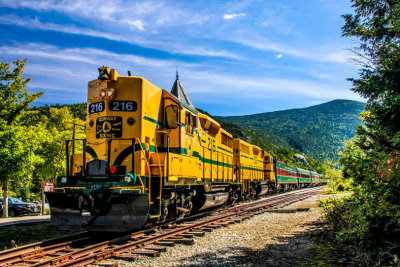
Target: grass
{"x":23,"y":234}
{"x":331,"y":191}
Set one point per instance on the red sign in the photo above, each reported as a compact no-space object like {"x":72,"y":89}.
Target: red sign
{"x":48,"y":187}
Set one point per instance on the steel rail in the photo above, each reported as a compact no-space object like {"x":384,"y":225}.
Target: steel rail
{"x":128,"y":246}
{"x":180,"y":231}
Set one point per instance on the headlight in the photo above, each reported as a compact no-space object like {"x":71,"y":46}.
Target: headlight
{"x":128,"y":178}
{"x":102,"y":93}
{"x":64,"y":180}
{"x":109,"y":93}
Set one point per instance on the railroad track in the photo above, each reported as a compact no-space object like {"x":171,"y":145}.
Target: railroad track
{"x":82,"y":249}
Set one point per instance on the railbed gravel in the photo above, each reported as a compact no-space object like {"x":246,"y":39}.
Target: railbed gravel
{"x":246,"y":243}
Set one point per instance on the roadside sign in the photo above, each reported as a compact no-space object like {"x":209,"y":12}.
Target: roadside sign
{"x":48,"y":187}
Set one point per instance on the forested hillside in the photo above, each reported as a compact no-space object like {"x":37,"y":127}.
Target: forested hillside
{"x":318,"y":131}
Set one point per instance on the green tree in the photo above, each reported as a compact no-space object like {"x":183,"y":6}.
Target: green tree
{"x":52,"y":130}
{"x":352,"y":159}
{"x":16,"y":152}
{"x":370,"y":219}
{"x":377,"y":25}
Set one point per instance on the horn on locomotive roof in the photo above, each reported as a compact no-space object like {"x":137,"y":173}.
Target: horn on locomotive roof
{"x":104,"y":73}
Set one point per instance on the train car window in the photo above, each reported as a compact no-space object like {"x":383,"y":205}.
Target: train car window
{"x":230,"y":142}
{"x":189,"y":118}
{"x":171,"y":117}
{"x":226,"y":140}
{"x":244,"y":149}
{"x":194,"y":121}
{"x":256,"y":151}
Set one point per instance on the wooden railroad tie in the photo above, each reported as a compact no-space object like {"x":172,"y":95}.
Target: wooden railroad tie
{"x":107,"y":264}
{"x":126,"y":257}
{"x":185,"y":235}
{"x":148,"y":253}
{"x":186,"y":241}
{"x":165,"y":243}
{"x":160,"y":249}
{"x":197,"y":233}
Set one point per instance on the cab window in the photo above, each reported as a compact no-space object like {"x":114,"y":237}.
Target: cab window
{"x":190,"y":122}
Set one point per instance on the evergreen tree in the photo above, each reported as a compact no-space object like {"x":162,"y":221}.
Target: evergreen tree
{"x":370,"y":219}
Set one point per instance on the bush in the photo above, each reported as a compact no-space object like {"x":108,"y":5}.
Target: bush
{"x":369,"y":220}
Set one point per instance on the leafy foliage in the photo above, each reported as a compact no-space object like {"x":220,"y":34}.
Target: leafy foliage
{"x":16,"y":147}
{"x":52,"y":129}
{"x":30,"y":138}
{"x":370,"y":219}
{"x":77,"y":110}
{"x":17,"y":156}
{"x":14,"y":99}
{"x":318,"y":131}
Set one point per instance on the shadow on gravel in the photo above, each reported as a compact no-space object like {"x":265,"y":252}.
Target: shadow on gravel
{"x":22,"y":234}
{"x":316,"y":247}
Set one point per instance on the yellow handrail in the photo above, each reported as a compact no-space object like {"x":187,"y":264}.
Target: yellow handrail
{"x":159,"y":168}
{"x":58,"y":161}
{"x":148,"y":166}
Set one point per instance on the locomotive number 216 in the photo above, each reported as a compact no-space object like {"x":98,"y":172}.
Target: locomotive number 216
{"x":123,"y":105}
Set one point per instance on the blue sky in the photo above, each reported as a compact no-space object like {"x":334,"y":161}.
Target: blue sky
{"x":234,"y":57}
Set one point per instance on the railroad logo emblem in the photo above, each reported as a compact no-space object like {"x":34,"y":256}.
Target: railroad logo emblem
{"x":109,"y":127}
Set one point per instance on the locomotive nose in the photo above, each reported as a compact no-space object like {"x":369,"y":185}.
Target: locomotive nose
{"x":116,"y":213}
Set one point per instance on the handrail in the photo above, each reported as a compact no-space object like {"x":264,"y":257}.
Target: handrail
{"x":148,"y":167}
{"x":161,"y":174}
{"x":58,"y":161}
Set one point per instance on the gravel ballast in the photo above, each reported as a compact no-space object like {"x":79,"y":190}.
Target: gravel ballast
{"x":268,"y":239}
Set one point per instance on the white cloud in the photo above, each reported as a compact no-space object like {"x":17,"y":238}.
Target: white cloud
{"x":322,"y":54}
{"x":204,"y":52}
{"x":279,"y":56}
{"x":220,"y":84}
{"x":233,"y":16}
{"x":169,"y":46}
{"x":136,"y":24}
{"x":159,"y":13}
{"x":36,"y":23}
{"x":84,"y":55}
{"x":198,"y":82}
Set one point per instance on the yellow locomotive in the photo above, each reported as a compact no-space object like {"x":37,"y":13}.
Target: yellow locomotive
{"x":150,"y":155}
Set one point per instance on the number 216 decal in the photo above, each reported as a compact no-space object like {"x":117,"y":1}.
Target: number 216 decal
{"x":123,"y":105}
{"x":96,"y":107}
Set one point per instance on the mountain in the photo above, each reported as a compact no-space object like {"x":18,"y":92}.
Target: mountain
{"x":318,"y":131}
